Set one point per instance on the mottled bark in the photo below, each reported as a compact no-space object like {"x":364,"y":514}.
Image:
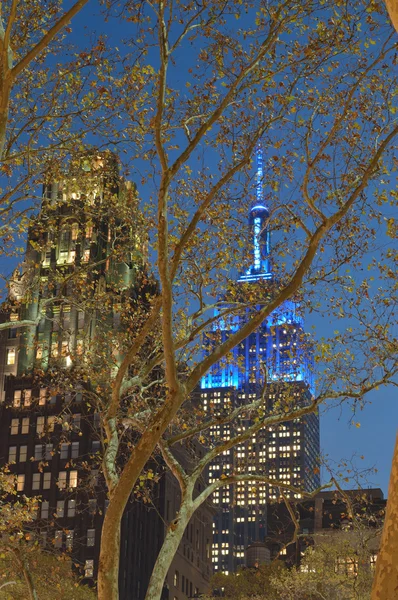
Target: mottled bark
{"x":169,"y":548}
{"x":385,"y":585}
{"x":108,"y":571}
{"x":392,"y":7}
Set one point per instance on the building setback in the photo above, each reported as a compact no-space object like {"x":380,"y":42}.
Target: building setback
{"x":275,"y":361}
{"x":50,"y":431}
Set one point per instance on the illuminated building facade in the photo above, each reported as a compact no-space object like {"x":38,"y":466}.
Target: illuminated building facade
{"x":280,"y":352}
{"x":71,"y":289}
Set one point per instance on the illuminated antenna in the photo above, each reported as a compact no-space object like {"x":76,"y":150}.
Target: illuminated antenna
{"x":260,"y":176}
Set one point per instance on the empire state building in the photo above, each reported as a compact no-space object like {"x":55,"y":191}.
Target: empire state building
{"x":275,"y":361}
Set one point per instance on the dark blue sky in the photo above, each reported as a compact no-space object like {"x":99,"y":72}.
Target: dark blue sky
{"x":375,"y":438}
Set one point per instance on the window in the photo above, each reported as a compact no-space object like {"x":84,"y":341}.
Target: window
{"x":62,"y":480}
{"x":93,"y":477}
{"x":20,"y":482}
{"x":90,"y":537}
{"x":25,"y":425}
{"x":23,"y":452}
{"x":75,"y":450}
{"x":42,"y":397}
{"x":71,"y":508}
{"x":44,"y":509}
{"x":12,"y":454}
{"x":17,"y":398}
{"x":14,"y":426}
{"x":64,"y":451}
{"x":48,"y":452}
{"x":10,"y":356}
{"x":38,"y":452}
{"x":89,"y":568}
{"x":27,"y":397}
{"x":12,"y":333}
{"x":39,"y":425}
{"x":92,"y":506}
{"x":73,"y":479}
{"x":95,"y":446}
{"x":50,"y":423}
{"x":176,"y":579}
{"x":58,"y":538}
{"x":60,"y":509}
{"x":46,"y":481}
{"x":36,"y":481}
{"x":76,"y":420}
{"x":69,"y":540}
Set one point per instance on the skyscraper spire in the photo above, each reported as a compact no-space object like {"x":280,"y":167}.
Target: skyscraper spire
{"x":258,"y":224}
{"x":259,"y":178}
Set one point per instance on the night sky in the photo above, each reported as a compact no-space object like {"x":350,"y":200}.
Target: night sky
{"x":375,"y":438}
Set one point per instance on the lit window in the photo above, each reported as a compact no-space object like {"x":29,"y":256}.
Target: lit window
{"x":20,"y":483}
{"x":89,"y":568}
{"x":46,"y":481}
{"x":62,"y":480}
{"x":50,"y":423}
{"x":40,"y":425}
{"x":176,"y":579}
{"x":10,"y":356}
{"x":12,"y":454}
{"x":27,"y":400}
{"x":43,"y":397}
{"x":23,"y":452}
{"x":73,"y":479}
{"x":25,"y":425}
{"x":17,"y":398}
{"x":14,"y":426}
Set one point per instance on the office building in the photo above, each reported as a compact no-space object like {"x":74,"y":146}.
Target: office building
{"x":277,"y":361}
{"x":85,"y":264}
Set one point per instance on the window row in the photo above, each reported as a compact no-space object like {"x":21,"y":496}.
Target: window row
{"x":66,"y":480}
{"x":46,"y":396}
{"x":45,"y":424}
{"x":46,"y":451}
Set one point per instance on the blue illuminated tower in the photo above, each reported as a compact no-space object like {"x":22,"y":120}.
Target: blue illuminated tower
{"x":280,"y":351}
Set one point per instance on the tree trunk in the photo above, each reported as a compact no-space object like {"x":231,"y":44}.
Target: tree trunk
{"x":392,"y":7}
{"x":385,"y":585}
{"x":169,"y":548}
{"x":108,"y":568}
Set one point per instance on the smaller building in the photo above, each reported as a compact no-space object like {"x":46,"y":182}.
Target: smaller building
{"x":327,"y":516}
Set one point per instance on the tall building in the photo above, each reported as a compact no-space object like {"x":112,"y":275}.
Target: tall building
{"x":275,"y":360}
{"x":84,"y":269}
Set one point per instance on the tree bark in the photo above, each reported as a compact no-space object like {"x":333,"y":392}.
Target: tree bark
{"x":169,"y":548}
{"x":385,"y":585}
{"x":392,"y":7}
{"x":108,"y":569}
